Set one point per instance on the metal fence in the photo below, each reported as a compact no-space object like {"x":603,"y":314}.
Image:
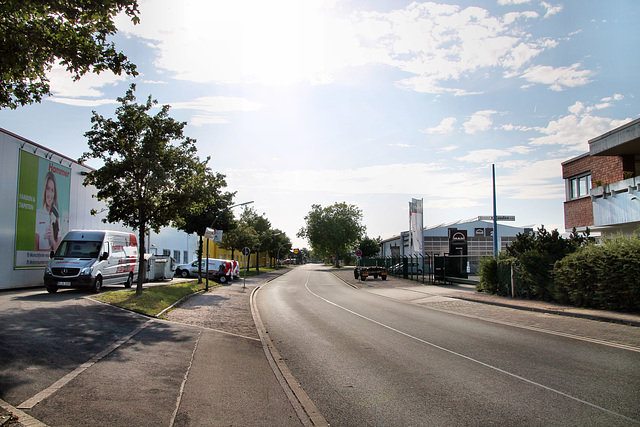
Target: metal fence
{"x":429,"y":268}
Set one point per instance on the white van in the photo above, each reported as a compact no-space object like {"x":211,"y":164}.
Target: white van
{"x":222,"y":270}
{"x":91,"y":259}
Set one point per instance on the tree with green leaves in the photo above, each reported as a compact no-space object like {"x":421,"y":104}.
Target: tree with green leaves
{"x":333,"y":230}
{"x":148,"y":162}
{"x":36,"y":34}
{"x":208,"y":206}
{"x":370,"y":247}
{"x":238,"y":237}
{"x":262,"y":228}
{"x":276,"y":244}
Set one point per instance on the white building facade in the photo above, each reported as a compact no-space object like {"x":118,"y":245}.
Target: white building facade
{"x":436,"y":239}
{"x":44,"y":197}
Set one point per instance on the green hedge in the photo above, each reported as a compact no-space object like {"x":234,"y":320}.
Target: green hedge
{"x":605,"y":276}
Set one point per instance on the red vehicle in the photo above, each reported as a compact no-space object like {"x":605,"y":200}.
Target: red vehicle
{"x":227,"y":270}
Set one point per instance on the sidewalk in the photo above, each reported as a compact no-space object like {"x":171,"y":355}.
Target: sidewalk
{"x":229,"y":343}
{"x":407,"y":290}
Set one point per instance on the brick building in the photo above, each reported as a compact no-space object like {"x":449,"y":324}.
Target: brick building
{"x":603,"y":185}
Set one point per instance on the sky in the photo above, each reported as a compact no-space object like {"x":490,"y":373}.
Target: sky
{"x":371,"y":103}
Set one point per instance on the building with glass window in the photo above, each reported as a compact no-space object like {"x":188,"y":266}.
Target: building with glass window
{"x":479,"y":234}
{"x":603,"y":185}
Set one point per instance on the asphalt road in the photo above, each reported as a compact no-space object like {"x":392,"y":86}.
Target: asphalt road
{"x":368,"y":360}
{"x":91,"y":363}
{"x":69,"y":361}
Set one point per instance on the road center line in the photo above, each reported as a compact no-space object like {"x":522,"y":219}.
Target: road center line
{"x":495,"y":368}
{"x":33,"y":401}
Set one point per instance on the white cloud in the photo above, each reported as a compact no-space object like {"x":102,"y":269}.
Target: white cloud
{"x":82,"y":102}
{"x":448,"y":148}
{"x":445,"y":126}
{"x":492,"y":155}
{"x":277,"y":42}
{"x":509,"y":2}
{"x":558,"y":78}
{"x":535,"y":180}
{"x":511,"y":127}
{"x":576,"y":108}
{"x":479,"y":121}
{"x":288,"y":41}
{"x":207,"y":108}
{"x":573,"y":132}
{"x":551,"y":9}
{"x":485,"y":156}
{"x":384,"y":179}
{"x":217,"y":104}
{"x":89,"y":85}
{"x":203,"y":119}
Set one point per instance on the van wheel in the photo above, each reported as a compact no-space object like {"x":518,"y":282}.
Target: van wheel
{"x":129,"y":281}
{"x":222,"y":279}
{"x":184,"y":273}
{"x":52,"y":289}
{"x":97,"y":285}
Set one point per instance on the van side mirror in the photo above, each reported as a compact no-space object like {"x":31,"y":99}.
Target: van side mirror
{"x":105,"y":255}
{"x":52,"y":254}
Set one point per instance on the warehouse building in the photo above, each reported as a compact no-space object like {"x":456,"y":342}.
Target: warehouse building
{"x":45,"y":197}
{"x":437,"y":238}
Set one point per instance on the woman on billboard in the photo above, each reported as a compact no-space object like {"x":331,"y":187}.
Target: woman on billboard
{"x":48,"y":235}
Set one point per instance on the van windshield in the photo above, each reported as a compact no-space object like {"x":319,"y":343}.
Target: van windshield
{"x":79,"y":249}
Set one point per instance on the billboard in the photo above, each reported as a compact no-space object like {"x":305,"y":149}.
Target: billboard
{"x":42,"y":209}
{"x":415,"y":227}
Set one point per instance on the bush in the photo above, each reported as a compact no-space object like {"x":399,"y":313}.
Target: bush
{"x":606,"y":276}
{"x":534,"y":257}
{"x":488,"y":271}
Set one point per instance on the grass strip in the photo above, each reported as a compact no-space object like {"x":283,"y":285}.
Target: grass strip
{"x":154,"y":299}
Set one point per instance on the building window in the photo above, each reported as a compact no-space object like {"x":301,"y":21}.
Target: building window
{"x":186,"y":256}
{"x":579,"y":186}
{"x":176,"y":256}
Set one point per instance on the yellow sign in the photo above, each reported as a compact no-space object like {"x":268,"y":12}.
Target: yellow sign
{"x":295,"y":251}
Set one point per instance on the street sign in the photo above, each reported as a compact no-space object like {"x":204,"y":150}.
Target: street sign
{"x":296,"y":251}
{"x":358,"y":253}
{"x":498,"y":218}
{"x":246,"y":251}
{"x":213,"y":234}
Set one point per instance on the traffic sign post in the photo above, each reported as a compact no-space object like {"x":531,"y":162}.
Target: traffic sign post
{"x":246,"y":252}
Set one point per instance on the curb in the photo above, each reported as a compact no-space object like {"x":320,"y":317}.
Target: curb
{"x":589,"y":316}
{"x":307,"y":412}
{"x":23,"y":419}
{"x":568,"y":311}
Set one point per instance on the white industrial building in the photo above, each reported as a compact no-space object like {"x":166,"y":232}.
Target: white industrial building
{"x":436,"y":238}
{"x":30,"y":170}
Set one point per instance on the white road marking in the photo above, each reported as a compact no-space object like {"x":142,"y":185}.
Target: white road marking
{"x":33,"y":401}
{"x":471,"y":359}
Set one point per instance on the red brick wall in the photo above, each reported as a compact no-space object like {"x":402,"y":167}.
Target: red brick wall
{"x":576,"y":167}
{"x":607,"y":169}
{"x":578,"y":213}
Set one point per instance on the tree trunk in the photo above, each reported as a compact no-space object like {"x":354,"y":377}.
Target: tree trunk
{"x":142,"y":263}
{"x":257,"y":262}
{"x":200,"y":252}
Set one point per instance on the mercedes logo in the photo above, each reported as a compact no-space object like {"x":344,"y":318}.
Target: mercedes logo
{"x":65,"y":271}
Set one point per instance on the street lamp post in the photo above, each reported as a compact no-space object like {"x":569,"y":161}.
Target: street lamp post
{"x":212,"y":224}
